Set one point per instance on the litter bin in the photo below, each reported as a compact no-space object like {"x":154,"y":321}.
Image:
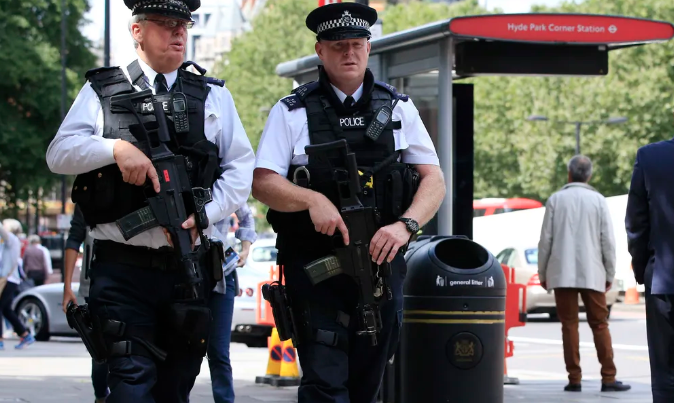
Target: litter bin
{"x":452,"y":346}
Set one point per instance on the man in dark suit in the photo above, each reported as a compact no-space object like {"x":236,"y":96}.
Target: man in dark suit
{"x":650,"y":232}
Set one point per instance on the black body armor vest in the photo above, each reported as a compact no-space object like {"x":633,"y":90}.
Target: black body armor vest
{"x":392,"y":187}
{"x":102,"y":194}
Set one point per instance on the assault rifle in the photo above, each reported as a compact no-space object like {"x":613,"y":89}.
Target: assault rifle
{"x":170,"y":207}
{"x":353,"y":259}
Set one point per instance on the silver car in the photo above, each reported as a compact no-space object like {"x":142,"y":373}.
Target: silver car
{"x":40,"y":309}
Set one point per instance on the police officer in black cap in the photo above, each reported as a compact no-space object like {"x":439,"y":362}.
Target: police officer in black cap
{"x":153,"y":355}
{"x":340,"y":364}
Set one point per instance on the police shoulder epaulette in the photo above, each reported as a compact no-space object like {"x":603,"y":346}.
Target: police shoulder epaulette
{"x":303,"y":90}
{"x":93,"y":72}
{"x":388,"y":87}
{"x":292,"y":101}
{"x":215,"y":81}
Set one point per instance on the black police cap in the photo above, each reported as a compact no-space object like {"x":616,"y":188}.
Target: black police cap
{"x":338,"y":21}
{"x":171,"y":8}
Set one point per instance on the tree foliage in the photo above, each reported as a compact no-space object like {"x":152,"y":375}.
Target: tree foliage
{"x":30,"y":65}
{"x":278,"y":34}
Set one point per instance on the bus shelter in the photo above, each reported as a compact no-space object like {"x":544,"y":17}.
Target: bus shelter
{"x":424,"y":62}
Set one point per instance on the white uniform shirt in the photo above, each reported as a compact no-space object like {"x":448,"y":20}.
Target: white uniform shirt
{"x":287,"y":133}
{"x":79,"y":147}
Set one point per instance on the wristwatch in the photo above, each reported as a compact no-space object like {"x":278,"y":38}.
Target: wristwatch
{"x":411,"y":224}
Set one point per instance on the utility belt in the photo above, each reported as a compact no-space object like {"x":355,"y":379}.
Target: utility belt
{"x":162,"y":259}
{"x":186,"y":330}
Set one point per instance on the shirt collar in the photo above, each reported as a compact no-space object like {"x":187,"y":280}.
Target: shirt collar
{"x":342,"y":96}
{"x":151,"y":74}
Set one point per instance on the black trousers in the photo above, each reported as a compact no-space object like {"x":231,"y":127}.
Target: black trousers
{"x":660,"y":328}
{"x":8,"y":294}
{"x":329,"y":373}
{"x":140,"y":297}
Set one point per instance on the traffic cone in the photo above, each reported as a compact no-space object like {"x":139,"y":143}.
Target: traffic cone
{"x":632,"y":296}
{"x":274,"y":362}
{"x":289,"y":374}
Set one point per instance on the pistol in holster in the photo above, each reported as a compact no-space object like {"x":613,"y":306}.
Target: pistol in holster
{"x":289,"y":321}
{"x":80,"y":319}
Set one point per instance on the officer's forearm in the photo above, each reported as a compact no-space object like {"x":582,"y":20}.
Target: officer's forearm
{"x":71,"y":258}
{"x":280,"y":194}
{"x":430,"y":195}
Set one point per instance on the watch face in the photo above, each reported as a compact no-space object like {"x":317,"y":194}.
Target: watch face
{"x":414,"y":226}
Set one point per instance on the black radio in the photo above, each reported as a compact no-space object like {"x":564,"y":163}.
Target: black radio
{"x":382,"y":117}
{"x":179,"y":112}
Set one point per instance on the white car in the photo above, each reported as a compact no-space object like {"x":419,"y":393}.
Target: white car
{"x":245,"y":329}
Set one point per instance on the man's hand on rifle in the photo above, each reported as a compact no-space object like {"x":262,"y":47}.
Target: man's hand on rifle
{"x":134,"y":164}
{"x":189,"y":224}
{"x":326,"y":218}
{"x":387,"y":241}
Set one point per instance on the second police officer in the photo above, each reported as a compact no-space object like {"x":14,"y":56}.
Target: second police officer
{"x":133,"y":281}
{"x":338,"y":365}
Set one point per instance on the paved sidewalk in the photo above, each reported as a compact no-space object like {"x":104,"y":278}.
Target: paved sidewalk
{"x":77,"y":389}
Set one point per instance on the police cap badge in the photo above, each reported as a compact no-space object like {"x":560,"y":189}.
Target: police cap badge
{"x":338,"y":21}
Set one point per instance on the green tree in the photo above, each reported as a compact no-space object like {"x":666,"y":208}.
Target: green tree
{"x":30,"y":64}
{"x":278,"y":34}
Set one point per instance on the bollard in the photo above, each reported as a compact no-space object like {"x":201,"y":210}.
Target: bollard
{"x":453,"y":334}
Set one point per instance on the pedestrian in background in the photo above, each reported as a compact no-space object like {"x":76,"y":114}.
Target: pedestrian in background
{"x":37,"y":261}
{"x":650,"y":240}
{"x":10,"y":280}
{"x":576,"y":255}
{"x":78,"y":234}
{"x":222,"y":305}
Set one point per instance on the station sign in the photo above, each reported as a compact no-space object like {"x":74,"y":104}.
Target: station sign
{"x":562,"y":28}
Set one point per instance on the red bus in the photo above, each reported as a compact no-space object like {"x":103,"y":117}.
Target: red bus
{"x":489,"y":206}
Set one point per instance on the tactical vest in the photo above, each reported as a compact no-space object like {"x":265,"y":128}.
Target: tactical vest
{"x":393,"y":185}
{"x":102,"y":194}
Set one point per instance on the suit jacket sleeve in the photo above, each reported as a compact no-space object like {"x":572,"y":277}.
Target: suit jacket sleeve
{"x":637,"y":221}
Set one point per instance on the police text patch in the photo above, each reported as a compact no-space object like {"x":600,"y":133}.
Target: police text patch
{"x":353,"y":122}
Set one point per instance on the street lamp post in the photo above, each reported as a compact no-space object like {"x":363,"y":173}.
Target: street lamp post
{"x":578,"y":124}
{"x":63,"y":115}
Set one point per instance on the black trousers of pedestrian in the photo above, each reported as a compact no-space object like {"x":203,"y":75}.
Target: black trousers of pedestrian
{"x":660,"y":328}
{"x":330,"y":374}
{"x":6,"y":299}
{"x":140,"y":297}
{"x":37,"y":276}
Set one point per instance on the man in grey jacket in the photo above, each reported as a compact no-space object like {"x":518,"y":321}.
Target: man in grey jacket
{"x":576,"y":255}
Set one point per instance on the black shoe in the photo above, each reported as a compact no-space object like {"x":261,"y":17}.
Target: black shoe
{"x":616,"y":386}
{"x":573,"y":387}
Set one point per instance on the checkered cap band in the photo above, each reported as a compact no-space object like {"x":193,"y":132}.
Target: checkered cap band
{"x":346,"y":21}
{"x":169,"y":5}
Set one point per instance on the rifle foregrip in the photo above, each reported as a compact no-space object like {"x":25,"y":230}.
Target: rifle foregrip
{"x":321,"y":148}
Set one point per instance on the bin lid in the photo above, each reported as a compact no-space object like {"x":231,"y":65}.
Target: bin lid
{"x":447,"y":265}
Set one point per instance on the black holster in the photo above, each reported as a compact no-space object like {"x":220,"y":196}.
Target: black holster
{"x":275,"y":294}
{"x":79,"y":318}
{"x":189,"y":326}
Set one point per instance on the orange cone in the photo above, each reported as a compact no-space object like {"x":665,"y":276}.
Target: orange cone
{"x":275,"y":357}
{"x":632,"y":296}
{"x":289,"y":374}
